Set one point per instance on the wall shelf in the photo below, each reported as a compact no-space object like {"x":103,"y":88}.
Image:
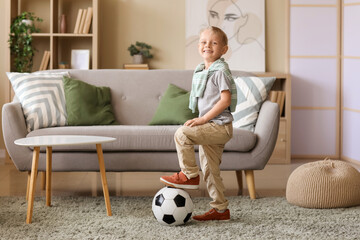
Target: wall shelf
{"x":72,"y":35}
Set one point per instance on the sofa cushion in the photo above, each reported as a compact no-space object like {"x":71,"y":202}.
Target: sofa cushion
{"x":128,"y":107}
{"x":251,"y":93}
{"x":173,"y":108}
{"x":87,"y":104}
{"x":42,"y":98}
{"x":139,"y":138}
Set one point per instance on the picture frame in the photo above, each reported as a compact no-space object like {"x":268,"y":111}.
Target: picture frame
{"x":80,"y":59}
{"x":242,"y":21}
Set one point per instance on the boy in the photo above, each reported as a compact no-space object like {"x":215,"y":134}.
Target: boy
{"x":213,"y":92}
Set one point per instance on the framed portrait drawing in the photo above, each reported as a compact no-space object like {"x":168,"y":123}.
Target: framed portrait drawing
{"x":243,"y":21}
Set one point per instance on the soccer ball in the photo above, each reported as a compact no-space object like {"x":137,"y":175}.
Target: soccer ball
{"x":172,"y":206}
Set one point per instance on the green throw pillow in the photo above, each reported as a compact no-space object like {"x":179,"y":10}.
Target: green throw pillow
{"x":87,"y":104}
{"x":173,"y":108}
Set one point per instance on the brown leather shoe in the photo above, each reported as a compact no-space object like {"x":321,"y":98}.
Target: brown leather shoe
{"x":179,"y":180}
{"x":213,"y":215}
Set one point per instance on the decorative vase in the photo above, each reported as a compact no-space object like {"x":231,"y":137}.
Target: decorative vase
{"x":27,"y":22}
{"x":63,"y":24}
{"x":138,"y":59}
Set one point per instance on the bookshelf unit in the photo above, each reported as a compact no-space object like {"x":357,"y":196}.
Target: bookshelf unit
{"x":50,"y":38}
{"x":282,"y":151}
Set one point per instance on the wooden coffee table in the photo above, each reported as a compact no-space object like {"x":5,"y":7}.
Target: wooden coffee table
{"x":60,"y":140}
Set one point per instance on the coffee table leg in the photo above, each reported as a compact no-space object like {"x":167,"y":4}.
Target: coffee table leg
{"x":43,"y":180}
{"x":103,"y":178}
{"x":34,"y":168}
{"x":28,"y":186}
{"x":48,"y":175}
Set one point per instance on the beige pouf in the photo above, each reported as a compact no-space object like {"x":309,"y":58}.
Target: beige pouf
{"x":324,"y":184}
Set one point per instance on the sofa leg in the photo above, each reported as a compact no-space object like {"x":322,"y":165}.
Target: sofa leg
{"x":239,"y":181}
{"x":249,"y":174}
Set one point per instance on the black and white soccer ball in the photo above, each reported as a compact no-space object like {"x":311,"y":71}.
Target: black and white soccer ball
{"x":172,"y":206}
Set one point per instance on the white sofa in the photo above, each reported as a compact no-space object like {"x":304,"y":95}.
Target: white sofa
{"x":135,"y":95}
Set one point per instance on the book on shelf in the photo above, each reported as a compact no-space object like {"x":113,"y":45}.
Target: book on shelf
{"x":78,"y":20}
{"x":273,"y":96}
{"x":282,"y":102}
{"x":82,"y":21}
{"x":42,"y":61}
{"x":136,"y":66}
{"x":279,"y":98}
{"x":88,"y":19}
{"x":45,"y":61}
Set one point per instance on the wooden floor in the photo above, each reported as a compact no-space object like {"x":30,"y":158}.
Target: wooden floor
{"x":268,"y":182}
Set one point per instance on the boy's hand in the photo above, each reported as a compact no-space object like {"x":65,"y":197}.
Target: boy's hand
{"x":195,"y":121}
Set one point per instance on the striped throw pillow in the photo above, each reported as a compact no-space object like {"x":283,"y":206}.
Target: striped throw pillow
{"x":42,"y":98}
{"x":251,"y":93}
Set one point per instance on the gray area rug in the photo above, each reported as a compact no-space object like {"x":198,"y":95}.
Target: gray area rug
{"x":85,"y":218}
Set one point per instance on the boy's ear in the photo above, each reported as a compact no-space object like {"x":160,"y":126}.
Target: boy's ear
{"x":225,"y":49}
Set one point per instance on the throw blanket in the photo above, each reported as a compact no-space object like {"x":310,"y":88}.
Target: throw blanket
{"x":200,"y":78}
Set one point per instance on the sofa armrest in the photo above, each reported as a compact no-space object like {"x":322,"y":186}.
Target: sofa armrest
{"x":14,"y":127}
{"x":266,"y":130}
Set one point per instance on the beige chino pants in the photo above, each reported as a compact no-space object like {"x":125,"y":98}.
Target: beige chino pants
{"x":211,"y":139}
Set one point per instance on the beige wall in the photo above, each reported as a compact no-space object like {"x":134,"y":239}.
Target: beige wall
{"x":161,"y":23}
{"x":276,"y":36}
{"x":3,"y":50}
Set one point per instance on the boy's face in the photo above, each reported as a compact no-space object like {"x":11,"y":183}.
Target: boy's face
{"x":211,"y":47}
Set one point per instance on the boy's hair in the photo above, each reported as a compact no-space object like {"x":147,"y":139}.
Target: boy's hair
{"x":218,"y":31}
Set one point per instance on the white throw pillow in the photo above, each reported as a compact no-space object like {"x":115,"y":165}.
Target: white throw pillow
{"x":251,"y":93}
{"x":42,"y":98}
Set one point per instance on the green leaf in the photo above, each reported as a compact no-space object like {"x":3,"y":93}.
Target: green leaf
{"x":20,"y":41}
{"x":140,"y":48}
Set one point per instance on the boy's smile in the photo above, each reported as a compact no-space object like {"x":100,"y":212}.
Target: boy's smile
{"x":211,"y":47}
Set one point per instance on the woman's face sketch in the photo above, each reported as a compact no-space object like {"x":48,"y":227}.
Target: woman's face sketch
{"x":226,"y":15}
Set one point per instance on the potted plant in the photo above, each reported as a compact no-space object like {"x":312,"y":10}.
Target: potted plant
{"x":139,"y":51}
{"x":20,"y":41}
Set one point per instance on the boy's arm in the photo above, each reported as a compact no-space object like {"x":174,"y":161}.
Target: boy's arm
{"x":220,"y":106}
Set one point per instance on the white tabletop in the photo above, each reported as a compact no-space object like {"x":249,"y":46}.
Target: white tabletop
{"x":58,"y":140}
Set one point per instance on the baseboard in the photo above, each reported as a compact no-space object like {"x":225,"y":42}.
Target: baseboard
{"x":317,"y":157}
{"x":351,"y":160}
